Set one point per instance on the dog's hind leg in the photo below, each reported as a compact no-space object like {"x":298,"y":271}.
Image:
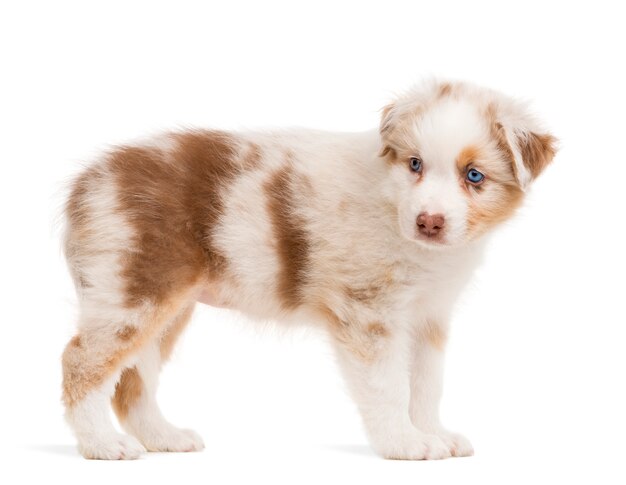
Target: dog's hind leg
{"x":109,"y":340}
{"x":135,"y":402}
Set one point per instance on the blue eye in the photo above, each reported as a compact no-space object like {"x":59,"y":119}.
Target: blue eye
{"x":474,"y":176}
{"x":415,"y":164}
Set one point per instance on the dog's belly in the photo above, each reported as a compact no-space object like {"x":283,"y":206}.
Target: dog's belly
{"x":249,"y":299}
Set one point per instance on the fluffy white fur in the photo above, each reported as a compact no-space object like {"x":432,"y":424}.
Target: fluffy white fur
{"x":383,"y":290}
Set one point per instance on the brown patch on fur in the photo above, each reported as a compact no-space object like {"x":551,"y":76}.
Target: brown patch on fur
{"x":482,"y":216}
{"x":75,"y":341}
{"x":363,"y":294}
{"x":173,"y":201}
{"x":126,"y":333}
{"x":369,"y":293}
{"x":445,"y":89}
{"x":389,"y":153}
{"x":173,"y":332}
{"x":100,"y":354}
{"x":81,"y":372}
{"x":127,"y":392}
{"x":292,"y":239}
{"x":537,"y":152}
{"x":361,"y":340}
{"x":470,"y":154}
{"x":329,"y":316}
{"x":377,"y":330}
{"x":434,"y":334}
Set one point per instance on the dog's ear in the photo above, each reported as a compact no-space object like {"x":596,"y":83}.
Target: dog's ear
{"x":536,"y":151}
{"x":387,"y":122}
{"x":530,"y":150}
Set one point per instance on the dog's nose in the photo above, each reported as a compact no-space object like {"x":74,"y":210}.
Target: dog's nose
{"x":430,"y":224}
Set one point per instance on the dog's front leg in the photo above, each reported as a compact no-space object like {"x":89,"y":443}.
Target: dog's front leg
{"x":426,"y":356}
{"x":375,"y":362}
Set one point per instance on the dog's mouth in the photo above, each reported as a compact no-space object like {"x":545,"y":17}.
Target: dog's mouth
{"x":434,"y":240}
{"x":430,"y":241}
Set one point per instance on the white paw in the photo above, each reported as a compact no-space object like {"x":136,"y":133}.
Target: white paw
{"x":112,"y":446}
{"x":171,"y":438}
{"x":417,"y":446}
{"x":458,"y":444}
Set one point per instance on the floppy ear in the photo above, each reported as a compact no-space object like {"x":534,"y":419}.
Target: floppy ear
{"x":537,"y":151}
{"x":530,"y":150}
{"x":387,"y":121}
{"x":532,"y":153}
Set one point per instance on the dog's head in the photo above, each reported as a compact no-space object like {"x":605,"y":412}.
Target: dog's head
{"x":460,"y":158}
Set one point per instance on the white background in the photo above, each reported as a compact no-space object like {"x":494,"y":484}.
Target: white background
{"x":535,"y":369}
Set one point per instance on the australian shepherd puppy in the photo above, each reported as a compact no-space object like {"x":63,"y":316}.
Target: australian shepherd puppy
{"x":371,"y":236}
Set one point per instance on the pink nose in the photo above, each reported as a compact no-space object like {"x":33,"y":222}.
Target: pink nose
{"x":430,"y":225}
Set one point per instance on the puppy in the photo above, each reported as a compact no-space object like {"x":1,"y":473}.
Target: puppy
{"x":371,"y":235}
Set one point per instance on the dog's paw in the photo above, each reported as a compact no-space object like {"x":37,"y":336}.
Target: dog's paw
{"x":458,"y":444}
{"x":418,"y":446}
{"x":112,"y":446}
{"x":172,"y":439}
